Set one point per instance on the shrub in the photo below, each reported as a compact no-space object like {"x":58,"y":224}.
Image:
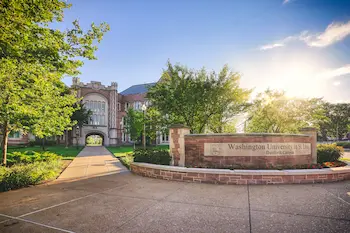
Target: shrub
{"x":126,"y":160}
{"x":31,"y":157}
{"x":328,"y":152}
{"x":155,"y":156}
{"x":343,"y":144}
{"x":22,"y":175}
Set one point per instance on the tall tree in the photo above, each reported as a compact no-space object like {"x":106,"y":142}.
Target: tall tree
{"x":80,"y":116}
{"x":194,"y":97}
{"x":338,"y":120}
{"x":134,"y":121}
{"x":273,"y":112}
{"x":33,"y":60}
{"x":232,"y":101}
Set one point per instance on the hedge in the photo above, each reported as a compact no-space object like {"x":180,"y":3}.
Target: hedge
{"x":343,"y":144}
{"x":328,"y":152}
{"x":155,"y":156}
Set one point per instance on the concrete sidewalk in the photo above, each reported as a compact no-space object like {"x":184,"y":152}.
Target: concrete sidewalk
{"x":129,"y":203}
{"x":90,"y":162}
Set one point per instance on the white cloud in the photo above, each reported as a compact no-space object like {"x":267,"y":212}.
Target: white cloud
{"x":336,"y":72}
{"x":271,"y":46}
{"x":286,"y":1}
{"x":336,"y":83}
{"x":334,"y":32}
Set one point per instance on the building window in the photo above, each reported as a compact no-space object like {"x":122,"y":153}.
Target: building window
{"x":98,"y":109}
{"x":124,"y":137}
{"x":165,"y":137}
{"x":14,"y":134}
{"x":119,"y":109}
{"x":137,"y":105}
{"x":126,"y":106}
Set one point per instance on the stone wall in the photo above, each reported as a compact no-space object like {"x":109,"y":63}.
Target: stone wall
{"x":24,"y":139}
{"x":195,"y":155}
{"x":177,"y":144}
{"x":223,"y":176}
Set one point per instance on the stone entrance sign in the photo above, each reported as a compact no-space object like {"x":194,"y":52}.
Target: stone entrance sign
{"x":253,"y":150}
{"x":256,"y":149}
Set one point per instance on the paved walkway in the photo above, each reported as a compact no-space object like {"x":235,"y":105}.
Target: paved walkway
{"x":128,"y":203}
{"x":94,"y":194}
{"x":92,"y":161}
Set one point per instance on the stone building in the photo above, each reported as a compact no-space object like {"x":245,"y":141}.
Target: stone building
{"x":109,"y":110}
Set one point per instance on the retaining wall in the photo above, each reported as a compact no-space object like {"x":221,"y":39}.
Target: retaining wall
{"x":225,"y":176}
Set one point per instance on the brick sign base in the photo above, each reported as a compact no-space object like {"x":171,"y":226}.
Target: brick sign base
{"x":224,"y":176}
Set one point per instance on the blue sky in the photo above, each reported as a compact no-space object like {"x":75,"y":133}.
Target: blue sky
{"x":302,"y":46}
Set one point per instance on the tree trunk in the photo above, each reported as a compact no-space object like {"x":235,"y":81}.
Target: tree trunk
{"x":66,"y":138}
{"x":43,"y":144}
{"x":5,"y":134}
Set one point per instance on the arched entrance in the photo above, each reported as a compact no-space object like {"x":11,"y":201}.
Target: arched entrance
{"x":94,"y":139}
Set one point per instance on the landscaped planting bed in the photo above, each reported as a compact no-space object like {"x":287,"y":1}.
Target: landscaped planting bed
{"x":29,"y":168}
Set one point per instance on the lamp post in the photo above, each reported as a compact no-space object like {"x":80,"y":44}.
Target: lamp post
{"x":77,"y":136}
{"x":144,"y":107}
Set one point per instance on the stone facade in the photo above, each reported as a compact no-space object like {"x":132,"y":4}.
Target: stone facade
{"x":95,"y":91}
{"x":111,"y":127}
{"x":22,"y":140}
{"x":112,"y":131}
{"x":223,"y":176}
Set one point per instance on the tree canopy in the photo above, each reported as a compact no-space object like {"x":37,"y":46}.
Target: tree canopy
{"x":200,"y":99}
{"x":273,"y":112}
{"x":337,"y":120}
{"x":133,"y":126}
{"x":33,"y":59}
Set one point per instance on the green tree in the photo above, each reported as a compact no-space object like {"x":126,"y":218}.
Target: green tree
{"x":232,"y":101}
{"x":33,"y":59}
{"x":80,"y":116}
{"x":337,"y":120}
{"x":134,"y":124}
{"x":54,"y":115}
{"x":194,"y":97}
{"x":156,"y":123}
{"x":273,"y":112}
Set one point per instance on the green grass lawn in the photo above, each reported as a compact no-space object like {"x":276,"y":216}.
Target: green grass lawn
{"x":67,"y":153}
{"x":124,"y":150}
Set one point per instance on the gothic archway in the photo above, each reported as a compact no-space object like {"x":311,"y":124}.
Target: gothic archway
{"x":94,"y":139}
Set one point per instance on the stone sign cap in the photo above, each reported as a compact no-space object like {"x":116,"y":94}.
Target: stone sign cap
{"x":179,"y":126}
{"x":262,"y":135}
{"x":308,"y":129}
